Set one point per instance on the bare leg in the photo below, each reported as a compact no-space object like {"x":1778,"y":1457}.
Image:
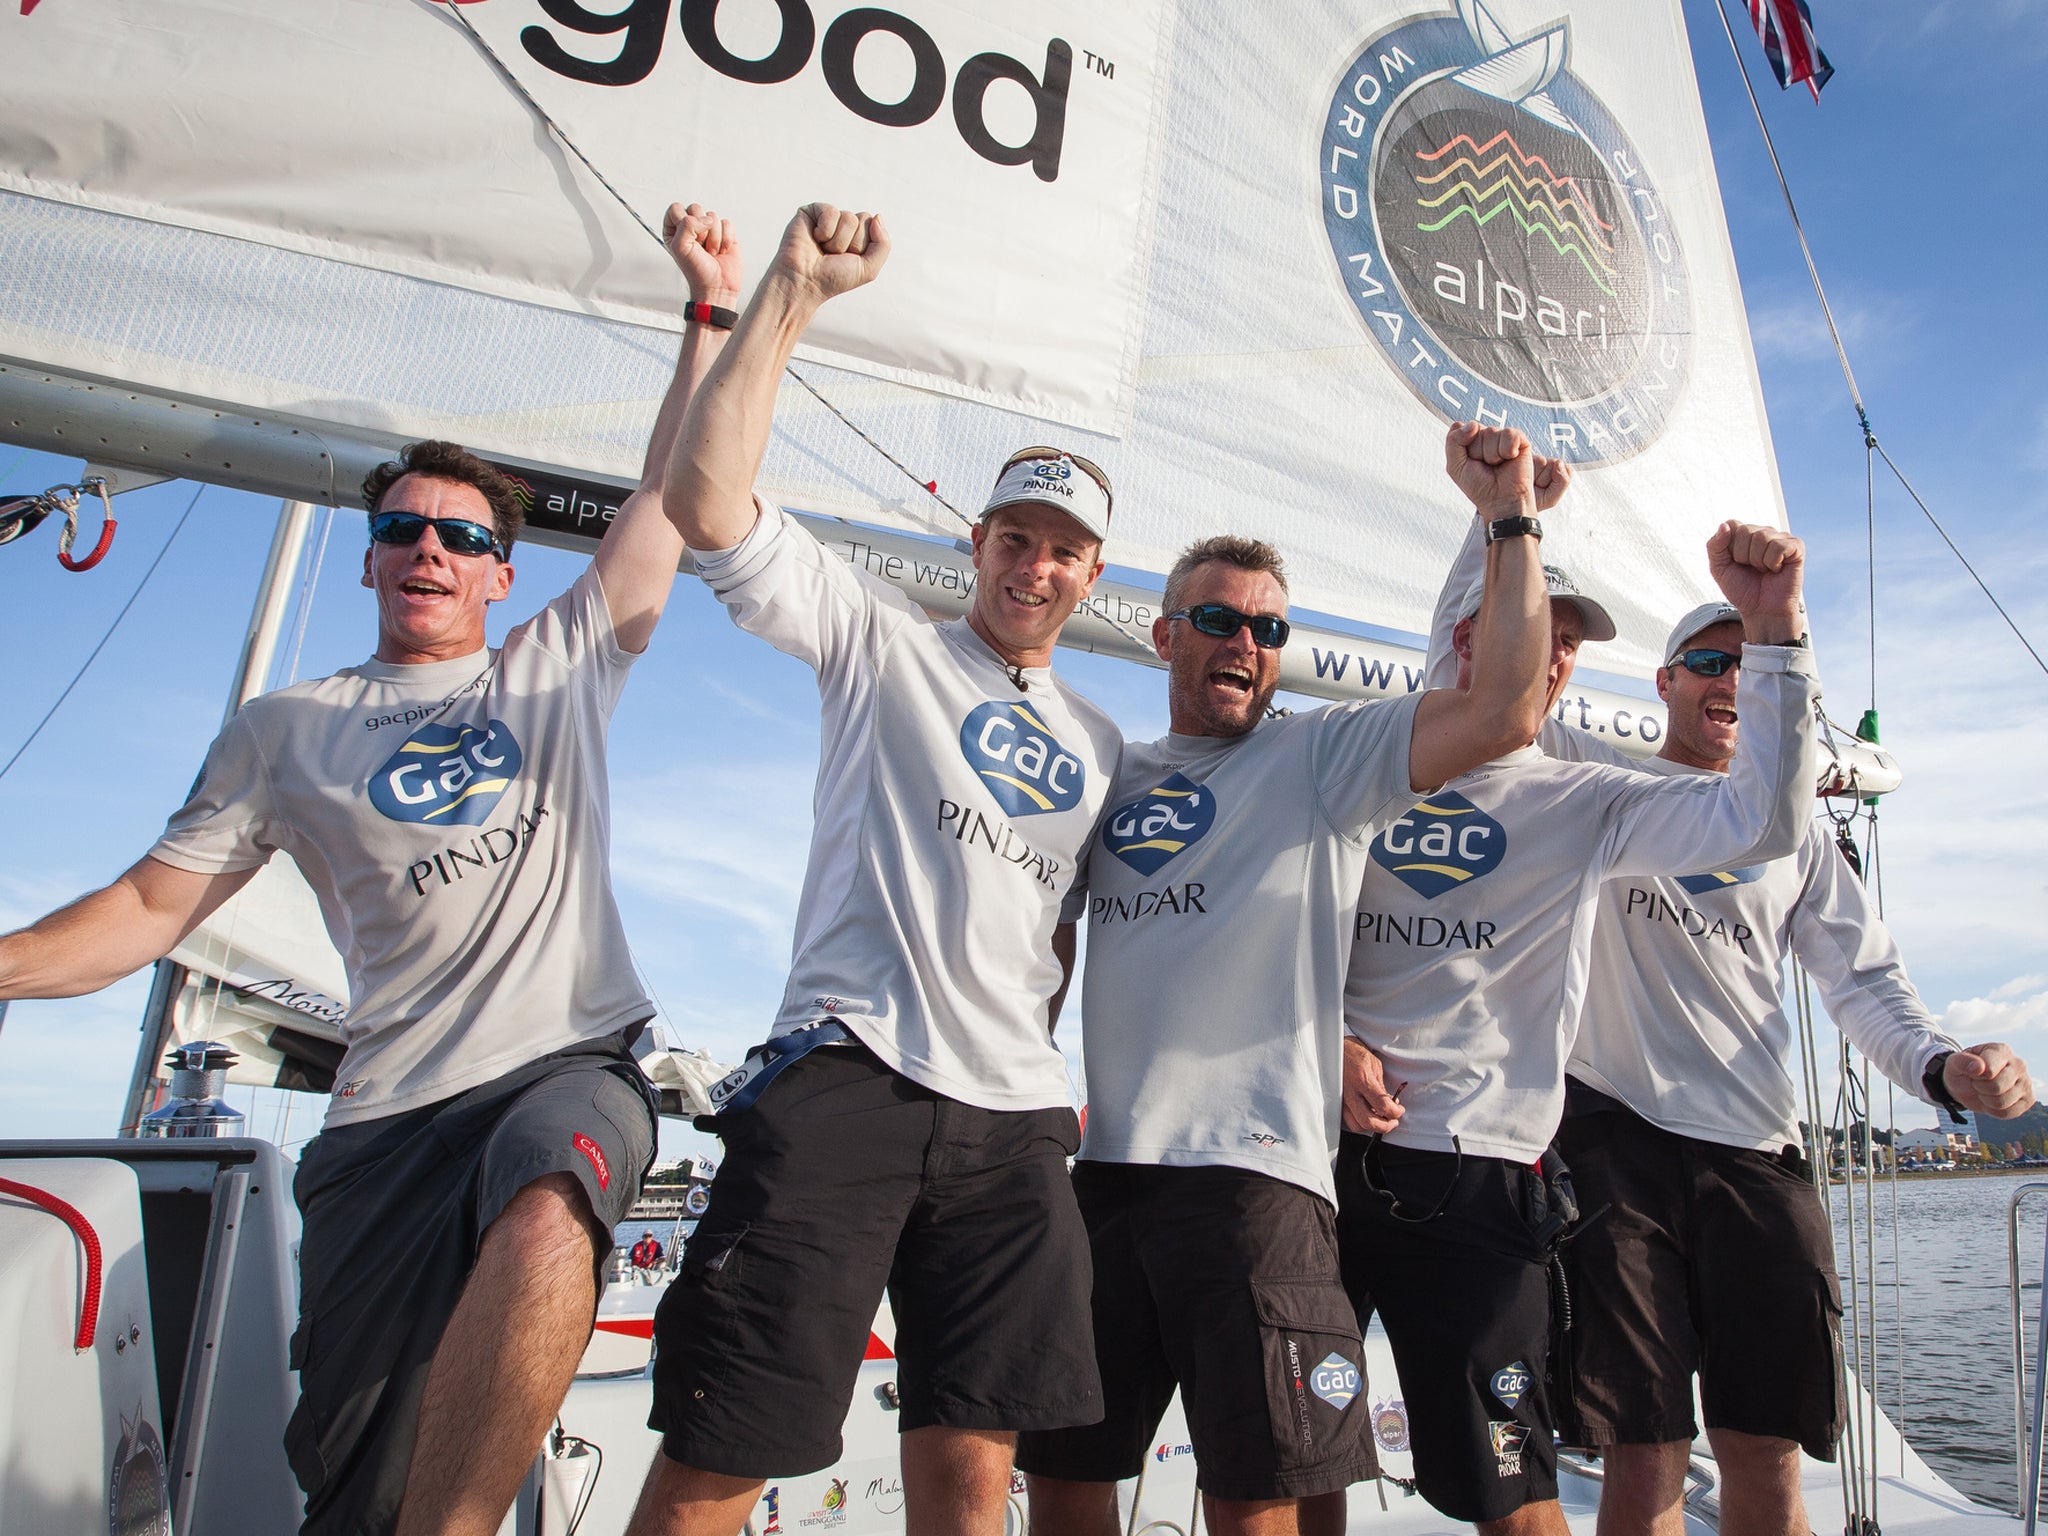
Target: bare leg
{"x":682,"y":1501}
{"x":956,"y":1482}
{"x":1759,"y":1484}
{"x":1060,"y":1507}
{"x":504,"y":1362}
{"x":1643,"y":1491}
{"x":1322,"y":1514}
{"x":1252,"y":1517}
{"x":1543,"y":1518}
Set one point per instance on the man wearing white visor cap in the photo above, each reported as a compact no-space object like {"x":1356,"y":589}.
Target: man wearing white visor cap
{"x":907,"y":1123}
{"x":1468,"y":967}
{"x":1681,"y":1118}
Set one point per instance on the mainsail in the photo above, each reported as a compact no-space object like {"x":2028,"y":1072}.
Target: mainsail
{"x":1251,"y":266}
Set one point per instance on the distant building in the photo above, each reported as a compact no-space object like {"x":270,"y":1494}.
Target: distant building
{"x":1924,"y":1145}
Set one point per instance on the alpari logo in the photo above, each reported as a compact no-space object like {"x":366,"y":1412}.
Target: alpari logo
{"x":1440,"y":844}
{"x":1336,"y":1381}
{"x":1502,"y":240}
{"x":1159,"y":825}
{"x":447,"y":775}
{"x":645,"y":25}
{"x":1027,"y":771}
{"x":1720,"y":879}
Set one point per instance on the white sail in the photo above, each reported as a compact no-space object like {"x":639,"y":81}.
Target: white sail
{"x":1329,"y":244}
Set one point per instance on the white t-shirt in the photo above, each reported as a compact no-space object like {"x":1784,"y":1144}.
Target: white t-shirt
{"x":951,"y":810}
{"x":1470,"y":957}
{"x":1219,"y":896}
{"x":1684,"y":1019}
{"x":453,"y":819}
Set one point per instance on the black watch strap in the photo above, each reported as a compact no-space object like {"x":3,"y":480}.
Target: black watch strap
{"x":1937,"y":1090}
{"x":716,"y":316}
{"x":1513,"y":528}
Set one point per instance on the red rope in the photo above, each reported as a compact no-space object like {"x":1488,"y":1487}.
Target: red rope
{"x":72,"y":1217}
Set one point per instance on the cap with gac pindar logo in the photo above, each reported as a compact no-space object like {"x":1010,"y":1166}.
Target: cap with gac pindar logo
{"x":1056,"y":482}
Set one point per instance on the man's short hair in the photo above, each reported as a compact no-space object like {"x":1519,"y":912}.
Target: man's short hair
{"x":1227,"y":548}
{"x":439,"y":460}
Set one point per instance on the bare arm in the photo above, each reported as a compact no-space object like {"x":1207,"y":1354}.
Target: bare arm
{"x":1458,"y":729}
{"x":709,"y":490}
{"x":637,"y":560}
{"x":1063,"y":945}
{"x":103,"y":936}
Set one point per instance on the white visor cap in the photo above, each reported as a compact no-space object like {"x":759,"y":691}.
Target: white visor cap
{"x":1599,"y":623}
{"x":1056,"y":482}
{"x":1706,"y":616}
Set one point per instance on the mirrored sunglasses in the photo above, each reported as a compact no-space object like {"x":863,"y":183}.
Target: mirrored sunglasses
{"x":1706,"y":663}
{"x":1223,"y":621}
{"x":458,"y":535}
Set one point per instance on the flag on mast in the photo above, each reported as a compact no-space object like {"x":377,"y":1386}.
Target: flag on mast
{"x":1786,"y":27}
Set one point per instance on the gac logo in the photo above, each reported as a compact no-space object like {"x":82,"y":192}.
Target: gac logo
{"x":1440,"y":844}
{"x":1160,"y":824}
{"x":1024,"y":767}
{"x":446,"y":775}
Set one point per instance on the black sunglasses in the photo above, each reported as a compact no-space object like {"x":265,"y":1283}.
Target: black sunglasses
{"x":1706,"y":663}
{"x":458,"y":535}
{"x":1223,"y":621}
{"x":1368,"y":1167}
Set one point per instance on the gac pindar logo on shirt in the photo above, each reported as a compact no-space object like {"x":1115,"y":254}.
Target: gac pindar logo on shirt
{"x":1440,"y":844}
{"x":1336,"y":1381}
{"x":446,"y":775}
{"x":1720,"y":879}
{"x":1013,"y":750}
{"x":1501,"y":238}
{"x":1160,"y":824}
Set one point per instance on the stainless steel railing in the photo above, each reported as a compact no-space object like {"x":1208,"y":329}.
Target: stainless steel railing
{"x":2026,"y":1428}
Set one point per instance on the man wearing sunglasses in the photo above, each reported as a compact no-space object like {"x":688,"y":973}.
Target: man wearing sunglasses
{"x":1473,"y":928}
{"x":1219,"y":896}
{"x":488,"y":1127}
{"x":906,"y":1125}
{"x":1682,"y":1119}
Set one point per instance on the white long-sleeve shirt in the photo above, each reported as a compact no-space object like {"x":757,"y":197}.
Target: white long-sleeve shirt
{"x":1472,"y":947}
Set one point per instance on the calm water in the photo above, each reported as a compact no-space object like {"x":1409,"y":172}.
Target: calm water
{"x":1951,"y":1278}
{"x":1957,"y":1403}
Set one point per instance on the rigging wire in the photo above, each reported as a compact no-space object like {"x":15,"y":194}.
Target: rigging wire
{"x":1870,"y":441}
{"x":94,"y":656}
{"x":929,"y":486}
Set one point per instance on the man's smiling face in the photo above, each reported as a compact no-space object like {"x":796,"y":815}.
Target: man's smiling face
{"x":1701,"y":725}
{"x":1035,"y":565}
{"x":430,"y":603}
{"x":1220,"y":687}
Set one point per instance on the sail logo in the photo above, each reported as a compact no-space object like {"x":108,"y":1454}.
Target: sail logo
{"x":1501,"y":239}
{"x":1159,"y":825}
{"x":642,"y":27}
{"x":1440,"y":844}
{"x":1336,"y":1381}
{"x":1020,"y":761}
{"x":1390,"y":1424}
{"x":1720,"y":879}
{"x":447,"y":775}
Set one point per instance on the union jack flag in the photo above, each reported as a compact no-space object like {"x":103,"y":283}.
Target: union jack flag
{"x":1786,"y":27}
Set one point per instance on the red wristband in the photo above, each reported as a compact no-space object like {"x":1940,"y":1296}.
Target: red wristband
{"x":712,"y":315}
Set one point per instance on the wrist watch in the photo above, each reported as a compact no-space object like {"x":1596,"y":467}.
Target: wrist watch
{"x":1513,"y":528}
{"x":1936,"y":1089}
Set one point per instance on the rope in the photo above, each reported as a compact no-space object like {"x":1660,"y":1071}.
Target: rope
{"x":72,"y":1217}
{"x":929,"y":486}
{"x":87,"y":664}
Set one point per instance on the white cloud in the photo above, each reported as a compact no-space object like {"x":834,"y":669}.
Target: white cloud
{"x":2016,"y":1008}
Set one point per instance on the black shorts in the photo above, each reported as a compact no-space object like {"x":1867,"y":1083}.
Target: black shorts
{"x":1222,"y":1282}
{"x":842,"y":1179}
{"x":1709,"y":1259}
{"x":1466,"y":1299}
{"x":394,"y":1211}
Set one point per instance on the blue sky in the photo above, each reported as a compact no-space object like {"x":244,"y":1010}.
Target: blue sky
{"x":1926,"y":241}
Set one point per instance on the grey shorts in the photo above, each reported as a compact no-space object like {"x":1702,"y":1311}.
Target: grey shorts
{"x":394,"y":1210}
